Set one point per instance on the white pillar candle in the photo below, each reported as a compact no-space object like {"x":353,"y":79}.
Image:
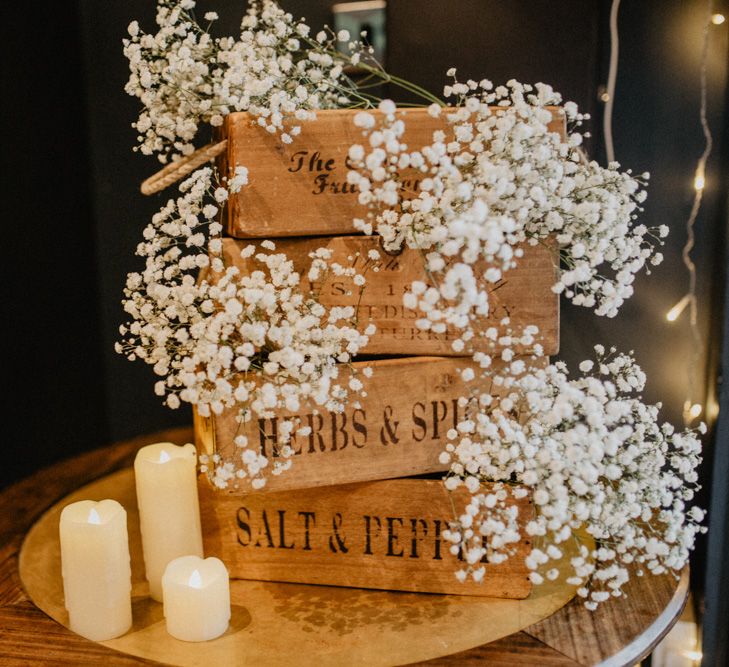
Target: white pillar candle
{"x":196,"y":598}
{"x":169,"y":513}
{"x":97,"y":577}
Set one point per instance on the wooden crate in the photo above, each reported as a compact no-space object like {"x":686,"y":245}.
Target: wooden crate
{"x":383,"y":535}
{"x":301,"y":188}
{"x":524,"y":294}
{"x":399,"y":430}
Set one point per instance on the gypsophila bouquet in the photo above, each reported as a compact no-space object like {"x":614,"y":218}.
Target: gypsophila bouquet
{"x":276,"y":70}
{"x":590,"y":452}
{"x":497,"y":176}
{"x":252,"y":342}
{"x":597,"y":462}
{"x":184,"y":76}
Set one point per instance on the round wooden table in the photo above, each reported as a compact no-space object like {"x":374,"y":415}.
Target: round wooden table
{"x":620,"y":632}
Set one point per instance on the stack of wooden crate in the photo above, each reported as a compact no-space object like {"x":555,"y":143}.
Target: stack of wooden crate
{"x":349,"y":512}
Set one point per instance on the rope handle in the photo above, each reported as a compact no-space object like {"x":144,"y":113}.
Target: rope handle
{"x":176,"y":170}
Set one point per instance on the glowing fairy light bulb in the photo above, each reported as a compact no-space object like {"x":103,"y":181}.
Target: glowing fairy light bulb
{"x":699,"y":179}
{"x":691,"y":411}
{"x":675,"y":312}
{"x":718,"y":19}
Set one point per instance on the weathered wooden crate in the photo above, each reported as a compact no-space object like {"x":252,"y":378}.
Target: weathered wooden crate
{"x":384,"y":535}
{"x":301,"y":188}
{"x":524,"y":293}
{"x":399,"y":430}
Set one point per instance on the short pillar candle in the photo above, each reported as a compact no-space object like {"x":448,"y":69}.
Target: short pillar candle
{"x":169,"y":513}
{"x":97,"y":576}
{"x":196,"y":598}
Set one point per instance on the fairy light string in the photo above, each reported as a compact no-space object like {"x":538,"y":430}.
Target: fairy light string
{"x":609,"y":95}
{"x":692,"y":408}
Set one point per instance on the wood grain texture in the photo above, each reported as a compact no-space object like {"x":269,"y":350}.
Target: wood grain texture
{"x":11,"y":590}
{"x":24,"y":630}
{"x":385,"y":535}
{"x":301,"y":189}
{"x":580,"y":636}
{"x":317,"y":626}
{"x":398,"y":430}
{"x":29,"y":637}
{"x":524,"y":294}
{"x":519,"y":648}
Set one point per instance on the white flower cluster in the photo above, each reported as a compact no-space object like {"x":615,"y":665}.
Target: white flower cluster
{"x":250,"y":341}
{"x":595,"y":459}
{"x":498,"y":175}
{"x":274,"y":70}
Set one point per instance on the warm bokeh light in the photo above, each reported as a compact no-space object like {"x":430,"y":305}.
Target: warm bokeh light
{"x":673,"y":314}
{"x":691,"y":412}
{"x":699,"y":178}
{"x":718,"y":19}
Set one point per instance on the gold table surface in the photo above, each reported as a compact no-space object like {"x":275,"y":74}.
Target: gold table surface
{"x":314,"y":623}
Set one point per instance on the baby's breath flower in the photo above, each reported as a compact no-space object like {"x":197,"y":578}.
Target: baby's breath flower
{"x":595,"y":459}
{"x":184,"y":77}
{"x":494,"y":178}
{"x":253,"y":343}
{"x":498,"y":176}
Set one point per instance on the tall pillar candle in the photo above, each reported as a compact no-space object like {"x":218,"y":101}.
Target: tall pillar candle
{"x":196,"y":598}
{"x":97,"y":577}
{"x":169,"y":513}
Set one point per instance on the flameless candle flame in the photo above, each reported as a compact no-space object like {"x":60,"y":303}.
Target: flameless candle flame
{"x":195,"y":579}
{"x":164,"y":456}
{"x":94,"y":516}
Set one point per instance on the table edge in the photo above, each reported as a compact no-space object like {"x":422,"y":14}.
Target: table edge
{"x":628,"y":655}
{"x":645,"y":642}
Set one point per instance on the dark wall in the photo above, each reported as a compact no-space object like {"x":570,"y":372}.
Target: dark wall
{"x":76,"y":213}
{"x":655,"y":126}
{"x":120,"y":210}
{"x":55,"y":400}
{"x":528,"y":40}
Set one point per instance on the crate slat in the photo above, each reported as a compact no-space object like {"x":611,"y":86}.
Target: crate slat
{"x":399,"y":430}
{"x":301,"y":189}
{"x":384,"y":535}
{"x":524,"y":293}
